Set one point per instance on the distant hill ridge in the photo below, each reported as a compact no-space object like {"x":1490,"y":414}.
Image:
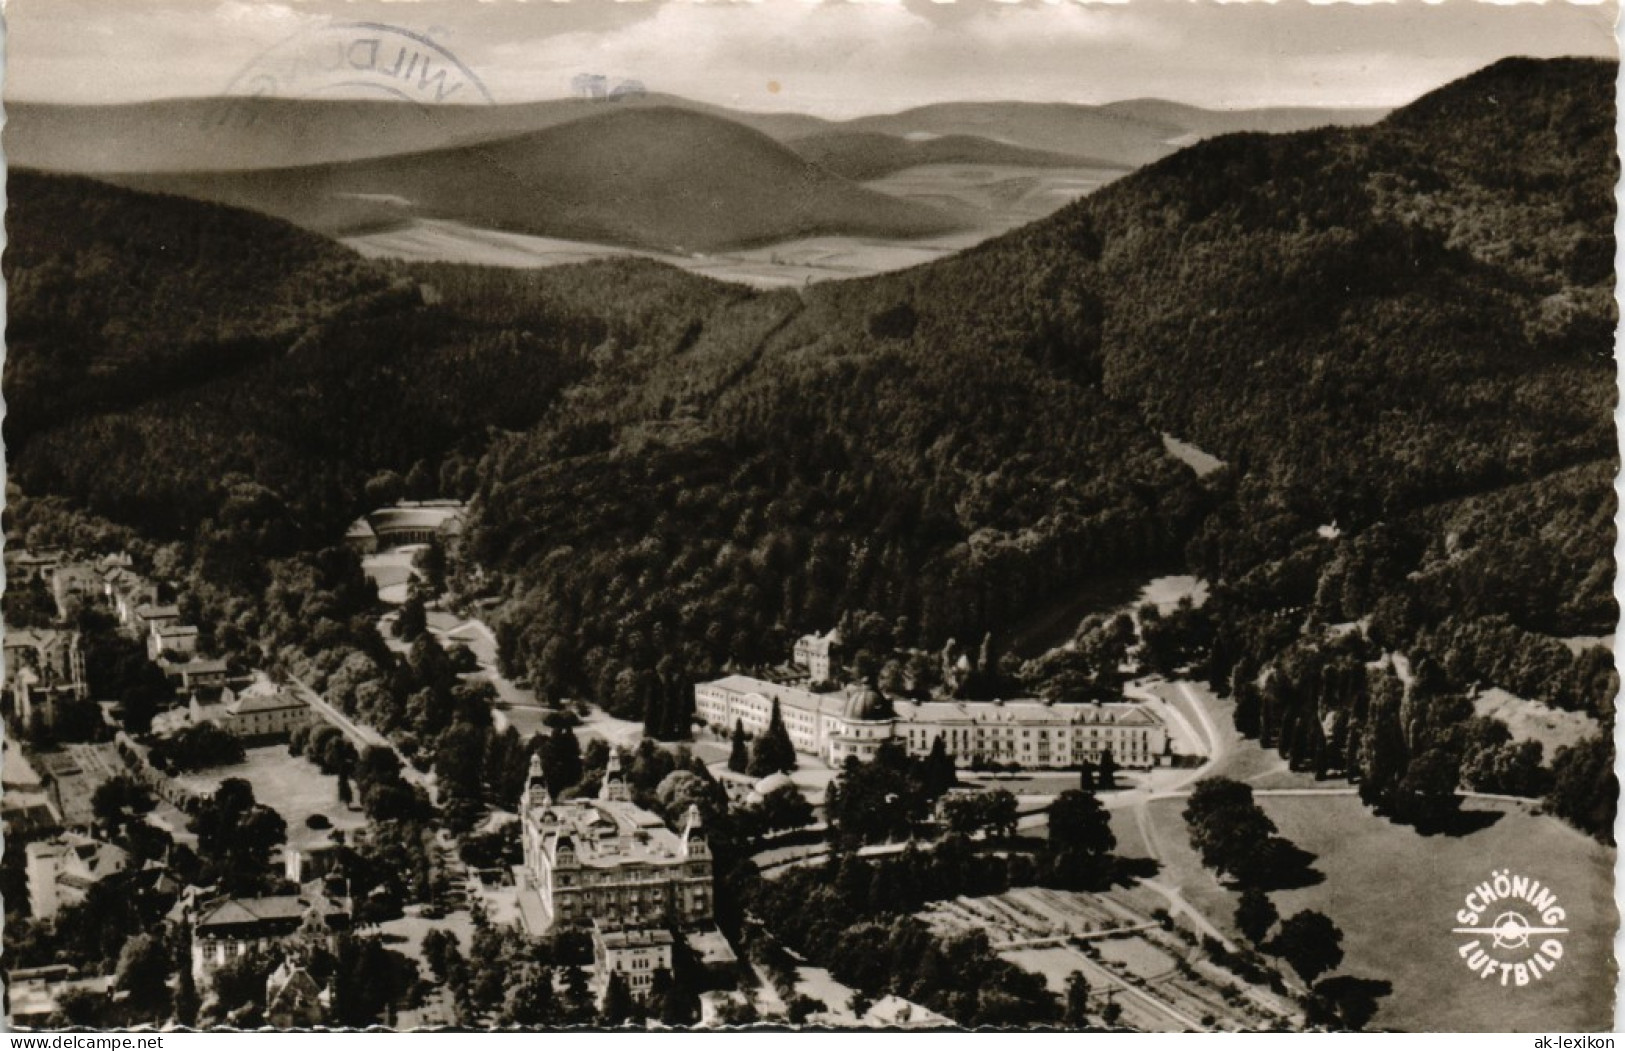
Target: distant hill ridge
{"x":649,"y":176}
{"x":864,"y":155}
{"x":220,"y":134}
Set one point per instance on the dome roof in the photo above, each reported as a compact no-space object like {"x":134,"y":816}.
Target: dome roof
{"x":868,"y":705}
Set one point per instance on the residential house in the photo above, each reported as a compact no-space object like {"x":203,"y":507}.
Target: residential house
{"x":61,"y":870}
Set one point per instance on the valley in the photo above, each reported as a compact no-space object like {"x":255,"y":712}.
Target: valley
{"x":887,"y":576}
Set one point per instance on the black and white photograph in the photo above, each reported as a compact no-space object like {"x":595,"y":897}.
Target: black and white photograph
{"x":809,"y":515}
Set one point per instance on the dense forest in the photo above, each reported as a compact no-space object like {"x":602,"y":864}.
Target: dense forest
{"x":1397,"y":338}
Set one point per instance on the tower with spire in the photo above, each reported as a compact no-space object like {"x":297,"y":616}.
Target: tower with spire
{"x":613,"y":790}
{"x":535,"y":793}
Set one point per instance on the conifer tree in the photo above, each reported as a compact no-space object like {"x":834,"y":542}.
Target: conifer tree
{"x":618,"y":1006}
{"x":1107,"y":773}
{"x":739,"y":755}
{"x":772,"y":752}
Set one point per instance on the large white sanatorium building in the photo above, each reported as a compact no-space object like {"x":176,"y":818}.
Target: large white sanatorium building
{"x":608,"y":859}
{"x":856,"y":721}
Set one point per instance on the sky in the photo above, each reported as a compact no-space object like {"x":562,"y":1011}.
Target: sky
{"x":836,"y":58}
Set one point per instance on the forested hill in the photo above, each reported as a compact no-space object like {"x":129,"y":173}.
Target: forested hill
{"x":1403,"y":331}
{"x":117,"y":296}
{"x":1361,"y":319}
{"x":1393,"y":326}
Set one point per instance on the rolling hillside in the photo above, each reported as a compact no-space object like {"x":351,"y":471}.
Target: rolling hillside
{"x":651,"y":177}
{"x":248,"y":133}
{"x":869,"y":155}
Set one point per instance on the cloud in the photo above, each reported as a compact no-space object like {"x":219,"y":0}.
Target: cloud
{"x":836,"y":58}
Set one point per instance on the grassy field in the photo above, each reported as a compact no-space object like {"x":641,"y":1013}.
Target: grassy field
{"x":290,"y":785}
{"x":1394,"y":894}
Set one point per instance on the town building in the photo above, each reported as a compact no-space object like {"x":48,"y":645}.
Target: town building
{"x":817,"y":653}
{"x":229,"y":928}
{"x":408,"y":522}
{"x":53,"y":654}
{"x":127,"y":591}
{"x":42,"y":667}
{"x":301,"y":865}
{"x":179,"y":640}
{"x":634,"y":953}
{"x":294,"y":1000}
{"x":197,"y":673}
{"x":608,"y":858}
{"x":73,"y":583}
{"x":857,"y":721}
{"x":62,"y":870}
{"x":150,"y":616}
{"x":34,"y":994}
{"x":26,"y":567}
{"x":261,"y":713}
{"x":25,"y":805}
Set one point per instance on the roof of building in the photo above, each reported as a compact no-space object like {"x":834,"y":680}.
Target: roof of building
{"x":85,"y":860}
{"x":252,"y":701}
{"x":36,"y":638}
{"x":198,"y":666}
{"x":290,"y":986}
{"x":711,"y":947}
{"x":69,"y":572}
{"x":868,"y":704}
{"x":280,"y":910}
{"x":787,"y":696}
{"x":631,"y":937}
{"x":149,"y":611}
{"x":24,"y":557}
{"x":609,"y":834}
{"x":392,"y":518}
{"x":176,"y":631}
{"x":1027,"y":713}
{"x":17,"y":772}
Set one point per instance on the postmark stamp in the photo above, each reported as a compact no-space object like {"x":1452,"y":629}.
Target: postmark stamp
{"x":361,"y":59}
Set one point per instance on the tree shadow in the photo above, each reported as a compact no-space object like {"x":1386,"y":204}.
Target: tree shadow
{"x":1354,"y":999}
{"x":1126,"y":871}
{"x":1458,"y":823}
{"x":1287,"y":866}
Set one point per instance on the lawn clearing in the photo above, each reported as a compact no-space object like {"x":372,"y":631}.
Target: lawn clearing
{"x":290,"y":785}
{"x":1394,"y":894}
{"x":1554,"y":728}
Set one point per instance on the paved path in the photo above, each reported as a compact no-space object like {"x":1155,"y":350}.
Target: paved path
{"x":363,"y":736}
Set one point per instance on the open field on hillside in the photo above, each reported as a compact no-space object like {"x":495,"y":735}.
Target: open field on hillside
{"x":1394,"y":894}
{"x":1554,"y":728}
{"x":786,"y":264}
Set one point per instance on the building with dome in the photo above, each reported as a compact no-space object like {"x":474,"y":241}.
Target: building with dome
{"x":855,"y":722}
